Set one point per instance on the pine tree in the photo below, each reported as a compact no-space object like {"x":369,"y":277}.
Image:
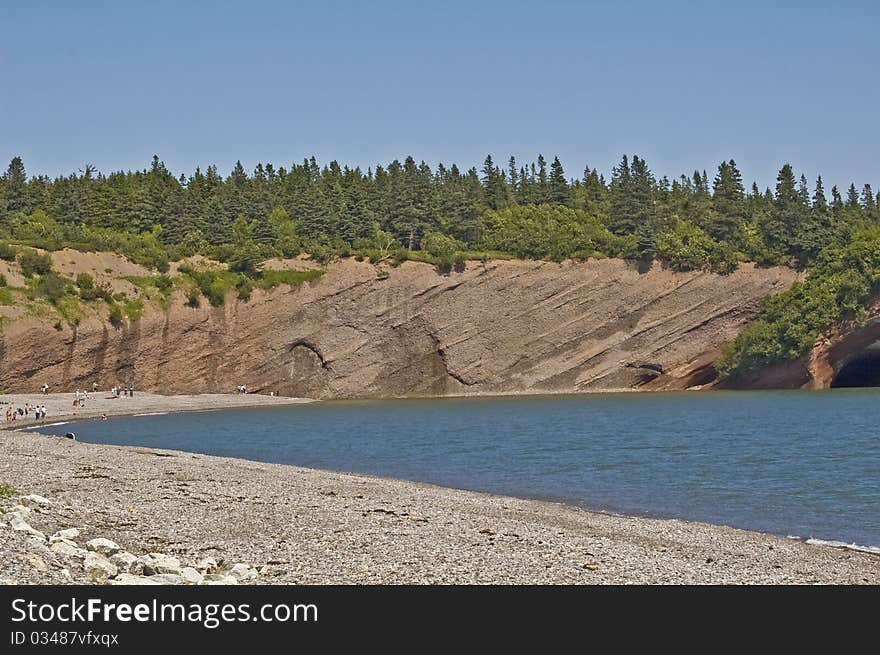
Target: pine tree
{"x":513,"y":178}
{"x":493,"y":185}
{"x":789,"y":211}
{"x":620,"y":218}
{"x":560,"y":194}
{"x":542,"y":190}
{"x":728,"y":202}
{"x":15,"y":187}
{"x":868,"y":202}
{"x":632,"y":198}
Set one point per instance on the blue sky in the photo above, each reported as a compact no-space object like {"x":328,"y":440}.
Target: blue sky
{"x":684,"y":84}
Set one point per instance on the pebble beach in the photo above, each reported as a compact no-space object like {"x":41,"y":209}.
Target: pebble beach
{"x":212,"y":520}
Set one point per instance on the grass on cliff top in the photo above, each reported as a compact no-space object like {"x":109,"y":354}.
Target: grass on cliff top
{"x":146,"y":282}
{"x":215,"y":284}
{"x":270,"y":278}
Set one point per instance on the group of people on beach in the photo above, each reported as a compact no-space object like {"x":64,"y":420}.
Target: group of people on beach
{"x":125,"y":391}
{"x":21,"y":413}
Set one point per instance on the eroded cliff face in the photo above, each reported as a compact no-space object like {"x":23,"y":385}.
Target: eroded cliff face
{"x":846,"y":355}
{"x":499,"y":327}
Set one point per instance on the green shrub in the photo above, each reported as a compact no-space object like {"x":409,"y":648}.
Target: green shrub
{"x":7,"y":252}
{"x":838,"y":288}
{"x":440,"y":245}
{"x":7,"y":491}
{"x":244,"y":260}
{"x":272,"y":278}
{"x":2,"y":280}
{"x":6,"y":297}
{"x":192,"y":298}
{"x":551,"y":232}
{"x":685,"y":247}
{"x":134,"y":309}
{"x":70,"y":310}
{"x":33,"y":263}
{"x":458,"y":262}
{"x":53,"y":287}
{"x":116,"y":315}
{"x":89,"y":289}
{"x":244,"y":286}
{"x":85,"y":281}
{"x":163,"y":283}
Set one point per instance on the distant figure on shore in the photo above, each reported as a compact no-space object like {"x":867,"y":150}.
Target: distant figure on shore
{"x":103,"y":417}
{"x":42,"y":412}
{"x":94,"y":387}
{"x":45,"y":388}
{"x":241,"y":388}
{"x":70,"y":435}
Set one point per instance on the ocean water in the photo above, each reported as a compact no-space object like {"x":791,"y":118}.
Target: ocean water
{"x":792,"y":463}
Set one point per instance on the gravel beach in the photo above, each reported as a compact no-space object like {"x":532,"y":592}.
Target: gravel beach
{"x":290,"y":525}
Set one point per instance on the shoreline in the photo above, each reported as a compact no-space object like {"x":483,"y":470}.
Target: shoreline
{"x":59,"y":406}
{"x":149,"y":499}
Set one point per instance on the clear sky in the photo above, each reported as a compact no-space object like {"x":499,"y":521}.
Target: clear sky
{"x":684,"y":84}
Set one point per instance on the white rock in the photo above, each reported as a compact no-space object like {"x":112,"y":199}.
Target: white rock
{"x":68,"y":548}
{"x":207,"y":565}
{"x":98,"y":568}
{"x":6,"y":582}
{"x":242,"y":572}
{"x":190,"y":575}
{"x":166,"y":578}
{"x":34,"y":499}
{"x":69,"y":533}
{"x":130,"y":579}
{"x":156,"y":563}
{"x":103,"y":546}
{"x":21,"y":525}
{"x":218,"y":579}
{"x":37,"y":562}
{"x":127,"y":563}
{"x":19,"y":509}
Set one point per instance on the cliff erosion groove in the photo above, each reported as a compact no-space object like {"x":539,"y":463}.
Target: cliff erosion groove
{"x":496,"y":327}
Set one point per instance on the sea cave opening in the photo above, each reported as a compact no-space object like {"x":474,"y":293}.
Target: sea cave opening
{"x":861,"y":371}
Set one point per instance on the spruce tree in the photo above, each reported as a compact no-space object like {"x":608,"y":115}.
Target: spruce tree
{"x":542,"y":184}
{"x":560,"y":194}
{"x":15,"y":186}
{"x":728,"y":202}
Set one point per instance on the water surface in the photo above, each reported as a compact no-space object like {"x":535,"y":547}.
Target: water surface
{"x":790,"y":463}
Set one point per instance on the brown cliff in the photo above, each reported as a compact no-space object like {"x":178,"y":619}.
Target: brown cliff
{"x":498,"y":327}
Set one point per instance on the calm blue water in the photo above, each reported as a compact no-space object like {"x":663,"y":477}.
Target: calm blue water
{"x":790,"y":463}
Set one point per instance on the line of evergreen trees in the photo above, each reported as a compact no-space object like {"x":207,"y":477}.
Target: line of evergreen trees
{"x":532,"y":210}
